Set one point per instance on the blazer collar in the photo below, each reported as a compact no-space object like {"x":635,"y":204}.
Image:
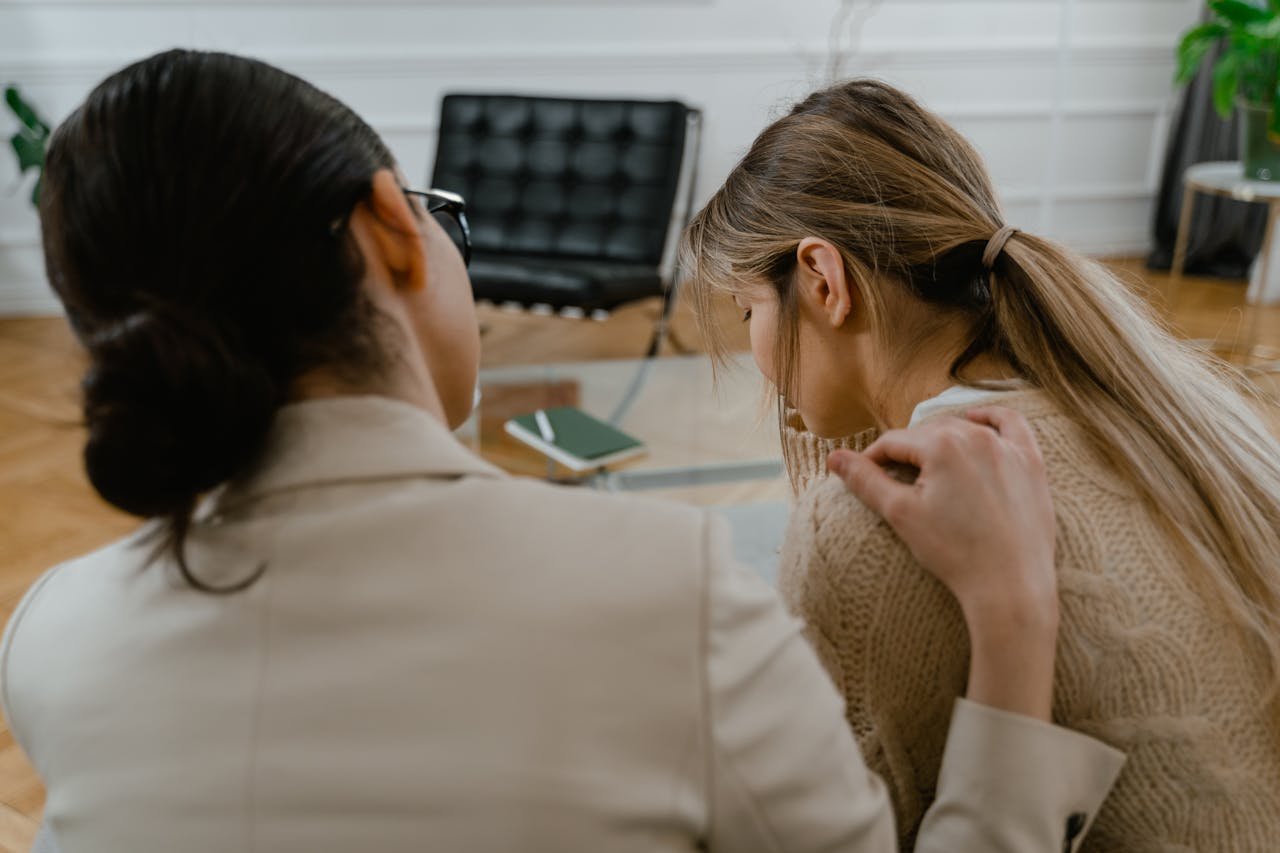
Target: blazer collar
{"x":352,"y":439}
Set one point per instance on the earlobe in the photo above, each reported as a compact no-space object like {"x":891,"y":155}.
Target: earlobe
{"x":838,"y":305}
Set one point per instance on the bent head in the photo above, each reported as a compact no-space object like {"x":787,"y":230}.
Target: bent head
{"x":220,"y":233}
{"x":853,"y":230}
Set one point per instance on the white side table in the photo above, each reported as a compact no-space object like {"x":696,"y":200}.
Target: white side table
{"x":1226,"y":179}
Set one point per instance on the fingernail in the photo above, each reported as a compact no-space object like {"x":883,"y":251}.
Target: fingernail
{"x":835,"y":464}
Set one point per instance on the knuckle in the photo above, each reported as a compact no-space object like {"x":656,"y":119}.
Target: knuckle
{"x":889,"y":436}
{"x":854,"y":478}
{"x":950,"y":438}
{"x":987,"y":441}
{"x":896,"y":511}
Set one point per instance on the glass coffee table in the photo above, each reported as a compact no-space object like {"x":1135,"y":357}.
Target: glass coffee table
{"x":704,"y":433}
{"x":712,"y":440}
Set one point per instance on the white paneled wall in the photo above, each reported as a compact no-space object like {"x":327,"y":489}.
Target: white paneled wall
{"x":1067,"y":99}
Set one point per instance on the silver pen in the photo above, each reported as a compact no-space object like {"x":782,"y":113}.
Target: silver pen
{"x":544,"y":426}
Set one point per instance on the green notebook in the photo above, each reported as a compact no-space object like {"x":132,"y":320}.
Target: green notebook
{"x":580,"y":442}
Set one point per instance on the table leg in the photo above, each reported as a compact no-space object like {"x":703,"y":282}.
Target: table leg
{"x":1252,"y":301}
{"x":1180,"y":244}
{"x":1255,"y":305}
{"x":1264,"y":270}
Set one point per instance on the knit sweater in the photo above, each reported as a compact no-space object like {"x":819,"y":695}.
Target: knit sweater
{"x":1145,"y":662}
{"x":807,"y":454}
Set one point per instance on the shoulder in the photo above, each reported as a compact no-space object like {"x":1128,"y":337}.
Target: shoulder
{"x":836,"y":547}
{"x":1073,"y":459}
{"x":533,"y":504}
{"x":49,"y":617}
{"x":14,"y":629}
{"x":833,"y":525}
{"x":512,"y":514}
{"x":1075,"y":464}
{"x":79,"y":581}
{"x":621,"y":548}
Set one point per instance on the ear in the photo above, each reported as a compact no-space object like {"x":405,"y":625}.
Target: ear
{"x":389,"y":227}
{"x":822,"y":280}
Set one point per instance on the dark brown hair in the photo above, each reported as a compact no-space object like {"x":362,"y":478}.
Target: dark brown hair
{"x":193,"y":216}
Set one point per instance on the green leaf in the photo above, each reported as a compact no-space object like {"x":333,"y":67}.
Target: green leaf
{"x":1238,"y":12}
{"x":1194,"y":46}
{"x":1265,"y":30}
{"x":35,"y":191}
{"x":30,"y":151}
{"x":1204,"y":32}
{"x":1226,"y":81}
{"x":25,"y":112}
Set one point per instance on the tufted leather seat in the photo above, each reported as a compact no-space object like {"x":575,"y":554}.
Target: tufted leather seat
{"x":570,"y":200}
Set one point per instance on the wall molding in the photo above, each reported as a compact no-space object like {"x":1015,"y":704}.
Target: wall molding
{"x":376,"y":62}
{"x":268,"y":4}
{"x":1077,"y":192}
{"x":415,"y":123}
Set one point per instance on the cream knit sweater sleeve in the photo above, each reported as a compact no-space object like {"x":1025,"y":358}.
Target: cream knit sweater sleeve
{"x":846,"y":574}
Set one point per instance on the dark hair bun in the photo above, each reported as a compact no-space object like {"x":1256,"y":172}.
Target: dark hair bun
{"x":172,"y":410}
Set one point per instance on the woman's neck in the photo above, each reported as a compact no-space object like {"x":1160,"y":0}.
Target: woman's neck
{"x":926,"y":378}
{"x":403,"y":374}
{"x":398,"y":381}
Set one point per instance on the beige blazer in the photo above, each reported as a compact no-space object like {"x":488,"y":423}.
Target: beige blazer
{"x":441,"y":657}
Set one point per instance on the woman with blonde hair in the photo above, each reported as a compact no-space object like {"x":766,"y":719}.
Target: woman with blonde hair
{"x":862,"y":237}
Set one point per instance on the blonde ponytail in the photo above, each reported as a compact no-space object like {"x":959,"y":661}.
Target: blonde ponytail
{"x":1177,"y":424}
{"x":907,"y":201}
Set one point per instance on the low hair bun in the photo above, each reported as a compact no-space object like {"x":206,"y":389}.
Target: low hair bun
{"x":187,"y":216}
{"x":174,"y":407}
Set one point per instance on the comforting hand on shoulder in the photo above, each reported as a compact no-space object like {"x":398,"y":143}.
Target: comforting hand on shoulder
{"x":979,"y":517}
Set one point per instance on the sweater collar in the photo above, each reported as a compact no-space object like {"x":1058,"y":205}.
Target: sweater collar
{"x":354,"y":439}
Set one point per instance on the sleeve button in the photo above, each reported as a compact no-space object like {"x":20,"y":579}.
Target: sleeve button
{"x":1075,"y":826}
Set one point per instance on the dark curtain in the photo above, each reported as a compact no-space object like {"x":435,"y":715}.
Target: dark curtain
{"x":1224,"y":234}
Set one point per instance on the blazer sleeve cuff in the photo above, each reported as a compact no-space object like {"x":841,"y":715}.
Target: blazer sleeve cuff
{"x":1010,"y":782}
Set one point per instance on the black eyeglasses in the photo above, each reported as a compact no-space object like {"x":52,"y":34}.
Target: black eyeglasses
{"x":450,"y":211}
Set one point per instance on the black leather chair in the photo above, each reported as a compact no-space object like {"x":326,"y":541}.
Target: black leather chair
{"x":574,"y":204}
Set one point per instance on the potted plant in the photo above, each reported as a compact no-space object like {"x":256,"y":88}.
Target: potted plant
{"x":1244,"y":75}
{"x":30,"y":140}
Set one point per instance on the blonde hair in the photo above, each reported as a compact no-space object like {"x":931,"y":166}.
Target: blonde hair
{"x":910,"y":206}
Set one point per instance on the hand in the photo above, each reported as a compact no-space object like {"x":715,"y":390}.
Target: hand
{"x":979,"y":517}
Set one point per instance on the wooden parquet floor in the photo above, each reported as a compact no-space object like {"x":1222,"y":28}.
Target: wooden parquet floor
{"x":50,"y":514}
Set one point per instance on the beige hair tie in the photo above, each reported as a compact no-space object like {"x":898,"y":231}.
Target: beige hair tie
{"x":996,"y":245}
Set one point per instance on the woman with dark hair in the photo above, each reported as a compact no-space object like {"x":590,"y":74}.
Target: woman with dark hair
{"x":340,"y":630}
